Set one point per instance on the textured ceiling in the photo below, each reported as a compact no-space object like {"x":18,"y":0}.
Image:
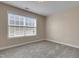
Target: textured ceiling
{"x":43,"y":8}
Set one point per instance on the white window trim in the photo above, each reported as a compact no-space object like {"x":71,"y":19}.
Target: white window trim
{"x":20,"y":25}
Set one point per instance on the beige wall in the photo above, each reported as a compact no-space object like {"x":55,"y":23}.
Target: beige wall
{"x":4,"y":40}
{"x":64,"y":26}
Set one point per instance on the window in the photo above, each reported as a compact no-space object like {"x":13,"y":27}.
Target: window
{"x":21,"y":25}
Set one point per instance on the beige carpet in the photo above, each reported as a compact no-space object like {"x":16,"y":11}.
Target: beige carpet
{"x":43,"y":49}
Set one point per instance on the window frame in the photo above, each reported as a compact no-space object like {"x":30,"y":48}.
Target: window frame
{"x":35,"y":27}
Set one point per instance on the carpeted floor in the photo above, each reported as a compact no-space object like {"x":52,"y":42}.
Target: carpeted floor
{"x":42,"y":49}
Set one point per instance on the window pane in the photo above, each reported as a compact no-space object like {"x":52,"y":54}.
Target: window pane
{"x":11,"y":19}
{"x":16,"y":20}
{"x":16,"y":31}
{"x":12,"y":22}
{"x":21,"y":21}
{"x":11,"y":31}
{"x":27,"y":22}
{"x":21,"y":31}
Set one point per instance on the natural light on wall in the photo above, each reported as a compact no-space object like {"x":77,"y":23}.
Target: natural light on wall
{"x":21,"y":25}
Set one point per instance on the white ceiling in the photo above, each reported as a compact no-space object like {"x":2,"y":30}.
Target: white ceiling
{"x":44,"y":8}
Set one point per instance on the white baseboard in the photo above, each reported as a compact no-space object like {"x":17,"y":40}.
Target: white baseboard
{"x":3,"y":48}
{"x":63,"y":43}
